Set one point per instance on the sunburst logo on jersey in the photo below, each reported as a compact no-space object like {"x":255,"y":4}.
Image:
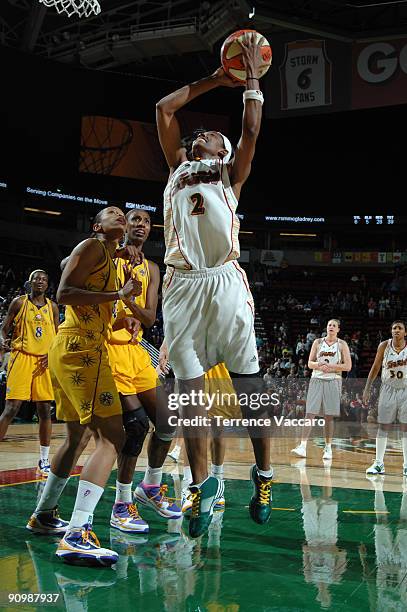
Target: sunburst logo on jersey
{"x":87,"y":360}
{"x":74,"y":346}
{"x":77,"y":379}
{"x":95,"y":308}
{"x":85,"y":317}
{"x":90,"y":334}
{"x":86,"y":406}
{"x":106,"y":398}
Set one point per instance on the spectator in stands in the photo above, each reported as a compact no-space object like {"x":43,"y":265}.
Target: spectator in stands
{"x":353,"y":373}
{"x":309,"y":340}
{"x":314,"y":320}
{"x":301,"y":368}
{"x":268,"y":378}
{"x":307,"y":307}
{"x":371,"y":306}
{"x":300,"y":349}
{"x":316,"y":303}
{"x":293,"y":372}
{"x":382,"y":307}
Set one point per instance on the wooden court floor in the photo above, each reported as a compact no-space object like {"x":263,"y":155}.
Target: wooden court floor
{"x":336,"y":540}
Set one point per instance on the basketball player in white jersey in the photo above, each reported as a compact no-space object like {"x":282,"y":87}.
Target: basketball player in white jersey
{"x":328,"y":358}
{"x":207,"y":305}
{"x":391,"y":357}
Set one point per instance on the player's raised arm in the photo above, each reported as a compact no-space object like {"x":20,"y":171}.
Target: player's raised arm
{"x":167,"y":124}
{"x":252,"y":112}
{"x":374,"y":370}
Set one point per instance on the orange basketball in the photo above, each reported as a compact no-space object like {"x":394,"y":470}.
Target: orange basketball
{"x":231,"y":55}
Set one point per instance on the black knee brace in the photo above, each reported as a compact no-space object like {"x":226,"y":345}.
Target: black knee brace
{"x":136,"y":425}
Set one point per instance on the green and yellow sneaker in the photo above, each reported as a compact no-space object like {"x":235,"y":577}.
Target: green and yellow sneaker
{"x":204,"y":500}
{"x":260,"y":503}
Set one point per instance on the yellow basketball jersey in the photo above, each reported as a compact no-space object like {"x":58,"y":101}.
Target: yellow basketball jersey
{"x":142,"y":273}
{"x":34,"y":328}
{"x":95,"y":318}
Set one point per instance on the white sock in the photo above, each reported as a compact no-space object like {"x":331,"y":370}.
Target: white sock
{"x":404,"y":443}
{"x":153,"y":476}
{"x":403,"y":507}
{"x":51,"y":493}
{"x":265,"y":473}
{"x":217,"y":471}
{"x":176,"y":449}
{"x":199,"y":484}
{"x":123,"y":492}
{"x":87,"y":498}
{"x":186,"y":481}
{"x":303,"y":443}
{"x":44,"y":453}
{"x":328,"y":445}
{"x":381,"y":443}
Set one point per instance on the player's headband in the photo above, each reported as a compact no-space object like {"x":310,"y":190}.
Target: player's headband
{"x":35,"y":272}
{"x":228,"y":147}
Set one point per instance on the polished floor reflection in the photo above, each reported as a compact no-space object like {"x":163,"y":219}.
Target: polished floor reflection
{"x":336,"y":541}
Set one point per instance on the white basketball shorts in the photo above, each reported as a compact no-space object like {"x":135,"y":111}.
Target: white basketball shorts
{"x":392,"y":404}
{"x":209,"y":319}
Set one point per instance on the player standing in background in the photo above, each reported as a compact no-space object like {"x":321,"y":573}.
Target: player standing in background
{"x":329,"y":357}
{"x":35,"y":319}
{"x":391,"y":357}
{"x":207,"y":304}
{"x":142,"y":397}
{"x":84,"y":388}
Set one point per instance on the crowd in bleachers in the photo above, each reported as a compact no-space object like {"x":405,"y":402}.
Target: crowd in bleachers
{"x":292,"y":309}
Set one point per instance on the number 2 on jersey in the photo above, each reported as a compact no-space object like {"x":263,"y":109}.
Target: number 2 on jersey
{"x":197,"y":200}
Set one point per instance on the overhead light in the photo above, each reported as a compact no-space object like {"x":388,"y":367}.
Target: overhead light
{"x":55,"y":213}
{"x":302,"y":235}
{"x":242,"y":232}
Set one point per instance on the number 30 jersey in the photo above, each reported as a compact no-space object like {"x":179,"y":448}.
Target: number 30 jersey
{"x":201,"y":227}
{"x":394,"y":368}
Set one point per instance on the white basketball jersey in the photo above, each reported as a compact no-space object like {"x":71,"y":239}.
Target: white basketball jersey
{"x":329,"y":354}
{"x":201,"y":227}
{"x":394,"y":367}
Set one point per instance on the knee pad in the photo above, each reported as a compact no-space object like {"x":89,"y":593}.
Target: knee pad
{"x":136,"y":425}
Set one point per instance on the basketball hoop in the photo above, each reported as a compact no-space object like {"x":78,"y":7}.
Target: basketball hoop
{"x":82,"y":8}
{"x":104,"y":143}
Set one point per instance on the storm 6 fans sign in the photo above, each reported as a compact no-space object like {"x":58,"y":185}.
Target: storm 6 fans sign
{"x":379,"y":73}
{"x":306,"y":75}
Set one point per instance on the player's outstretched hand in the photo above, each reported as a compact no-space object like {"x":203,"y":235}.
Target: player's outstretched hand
{"x":251,"y":55}
{"x":224,"y":79}
{"x":132,"y":286}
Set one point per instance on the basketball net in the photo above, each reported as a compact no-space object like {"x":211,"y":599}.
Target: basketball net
{"x":82,"y":8}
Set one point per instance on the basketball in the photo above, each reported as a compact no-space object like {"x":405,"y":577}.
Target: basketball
{"x":231,"y":55}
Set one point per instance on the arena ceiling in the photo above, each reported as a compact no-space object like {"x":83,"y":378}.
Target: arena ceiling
{"x":173,"y":38}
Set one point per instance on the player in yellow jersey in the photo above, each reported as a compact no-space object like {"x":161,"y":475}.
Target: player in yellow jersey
{"x":34,"y":319}
{"x":141,"y":395}
{"x":85,"y":391}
